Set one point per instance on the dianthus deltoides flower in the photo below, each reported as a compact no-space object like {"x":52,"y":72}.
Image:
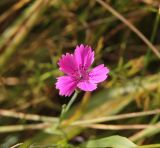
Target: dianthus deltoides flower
{"x":77,"y":73}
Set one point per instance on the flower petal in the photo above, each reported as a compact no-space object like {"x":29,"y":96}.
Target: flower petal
{"x":87,"y":85}
{"x":66,"y":85}
{"x":68,"y":64}
{"x":98,"y":74}
{"x":84,"y":56}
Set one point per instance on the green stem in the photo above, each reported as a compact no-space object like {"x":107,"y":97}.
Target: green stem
{"x":71,"y":101}
{"x":65,"y":108}
{"x":155,"y":27}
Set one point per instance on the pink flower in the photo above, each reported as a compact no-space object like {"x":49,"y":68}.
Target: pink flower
{"x":78,"y":75}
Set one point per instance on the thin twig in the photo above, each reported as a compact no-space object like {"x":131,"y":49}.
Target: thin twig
{"x":120,"y":127}
{"x":17,"y":145}
{"x":117,"y":117}
{"x":154,"y":3}
{"x":131,"y":26}
{"x":145,"y":133}
{"x":34,"y":117}
{"x":14,"y":8}
{"x":17,"y":32}
{"x":15,"y":128}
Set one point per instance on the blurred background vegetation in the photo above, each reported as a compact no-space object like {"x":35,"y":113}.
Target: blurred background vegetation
{"x":34,"y":35}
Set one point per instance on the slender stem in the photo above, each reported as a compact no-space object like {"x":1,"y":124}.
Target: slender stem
{"x":65,"y":107}
{"x":62,"y":114}
{"x":154,"y":31}
{"x":71,"y":101}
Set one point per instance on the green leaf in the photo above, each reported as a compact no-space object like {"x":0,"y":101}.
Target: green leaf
{"x":113,"y":142}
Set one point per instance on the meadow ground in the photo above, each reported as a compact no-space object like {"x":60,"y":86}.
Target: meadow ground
{"x":125,"y":36}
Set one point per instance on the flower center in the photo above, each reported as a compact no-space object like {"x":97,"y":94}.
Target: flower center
{"x":81,"y":74}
